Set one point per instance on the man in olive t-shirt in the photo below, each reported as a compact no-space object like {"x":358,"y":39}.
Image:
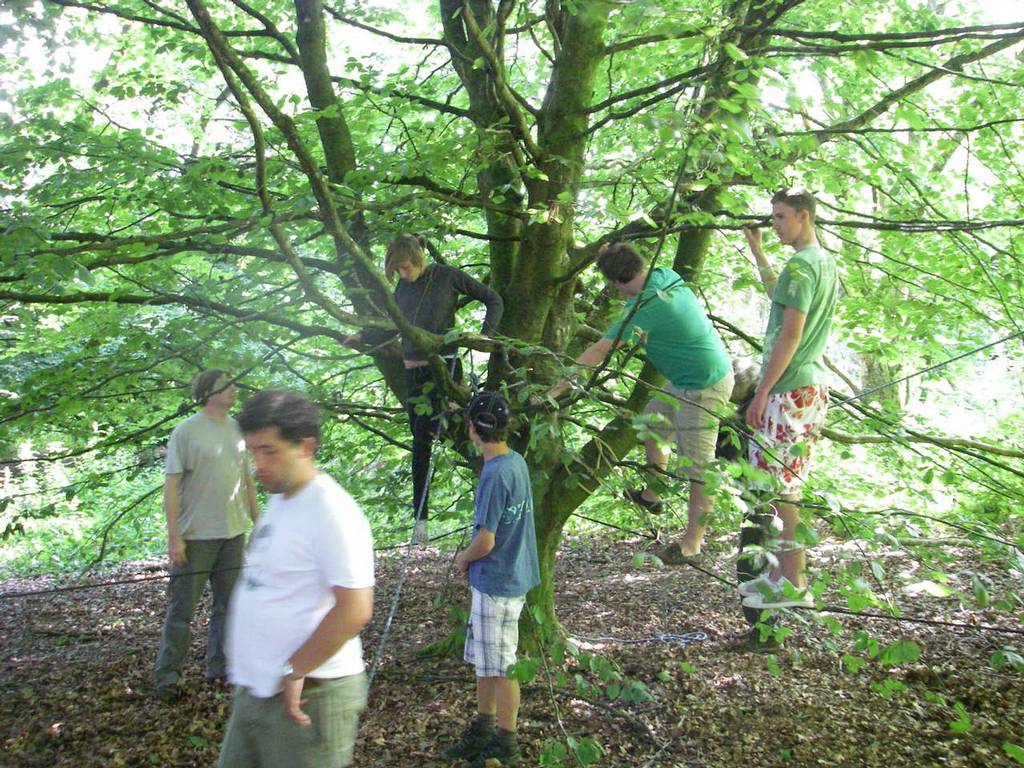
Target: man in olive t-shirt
{"x":791,"y":400}
{"x":208,"y":498}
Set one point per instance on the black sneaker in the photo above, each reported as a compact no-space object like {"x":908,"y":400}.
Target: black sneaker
{"x":474,"y":739}
{"x":636,"y":495}
{"x":505,"y":751}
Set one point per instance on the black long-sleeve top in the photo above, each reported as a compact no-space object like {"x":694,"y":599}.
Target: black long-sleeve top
{"x":429,"y":303}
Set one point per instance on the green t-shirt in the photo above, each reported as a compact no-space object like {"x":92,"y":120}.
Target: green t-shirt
{"x":680,"y":340}
{"x":808,"y":283}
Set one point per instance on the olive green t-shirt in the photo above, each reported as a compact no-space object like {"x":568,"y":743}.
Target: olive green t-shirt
{"x":808,"y":282}
{"x":680,"y":340}
{"x":210,"y":457}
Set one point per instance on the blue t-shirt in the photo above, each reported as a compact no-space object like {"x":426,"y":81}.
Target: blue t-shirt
{"x":504,"y":506}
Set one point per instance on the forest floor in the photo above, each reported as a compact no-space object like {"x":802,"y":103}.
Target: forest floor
{"x":75,"y":674}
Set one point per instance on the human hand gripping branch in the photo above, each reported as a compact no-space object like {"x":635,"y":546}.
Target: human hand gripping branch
{"x":591,"y":357}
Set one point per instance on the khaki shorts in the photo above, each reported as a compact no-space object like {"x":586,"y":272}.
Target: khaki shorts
{"x":691,"y":421}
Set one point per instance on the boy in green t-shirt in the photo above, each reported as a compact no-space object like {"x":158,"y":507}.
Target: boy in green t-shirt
{"x":791,"y":400}
{"x":684,"y":346}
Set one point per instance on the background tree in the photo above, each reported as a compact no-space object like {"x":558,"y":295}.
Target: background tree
{"x":218,"y":190}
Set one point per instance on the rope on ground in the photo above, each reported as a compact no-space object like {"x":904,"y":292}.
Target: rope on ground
{"x":391,"y":614}
{"x":687,"y":638}
{"x":160,"y":576}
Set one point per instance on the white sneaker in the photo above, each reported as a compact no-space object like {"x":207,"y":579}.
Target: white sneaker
{"x":753,"y":587}
{"x":419,"y":533}
{"x":784,"y":595}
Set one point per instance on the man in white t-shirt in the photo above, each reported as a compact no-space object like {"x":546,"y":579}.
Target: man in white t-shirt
{"x":208,"y":500}
{"x":294,"y":652}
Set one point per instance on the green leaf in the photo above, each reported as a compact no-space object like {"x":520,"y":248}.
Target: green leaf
{"x":553,"y":755}
{"x":729,"y":106}
{"x":853,"y":664}
{"x":981,"y":595}
{"x":586,"y":750}
{"x":900,"y":652}
{"x":963,"y":723}
{"x":1007,"y":657}
{"x":197,"y":741}
{"x":734,"y":52}
{"x":1015,"y":752}
{"x":888,"y":688}
{"x":929,"y":587}
{"x":524,"y":670}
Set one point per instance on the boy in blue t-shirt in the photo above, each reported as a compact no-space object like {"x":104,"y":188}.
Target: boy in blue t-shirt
{"x":501,"y":565}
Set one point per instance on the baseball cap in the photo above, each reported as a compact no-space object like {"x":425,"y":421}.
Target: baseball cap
{"x":488,"y":410}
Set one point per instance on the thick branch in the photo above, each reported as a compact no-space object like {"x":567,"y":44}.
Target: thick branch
{"x":917,"y":437}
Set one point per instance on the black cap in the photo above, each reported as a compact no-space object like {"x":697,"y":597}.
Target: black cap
{"x":488,"y":410}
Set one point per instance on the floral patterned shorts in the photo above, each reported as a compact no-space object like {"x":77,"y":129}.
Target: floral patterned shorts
{"x":783,"y":445}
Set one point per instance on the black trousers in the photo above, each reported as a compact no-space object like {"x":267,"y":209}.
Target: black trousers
{"x":424,"y":407}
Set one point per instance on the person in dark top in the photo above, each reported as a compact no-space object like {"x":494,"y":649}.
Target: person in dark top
{"x":427,"y":295}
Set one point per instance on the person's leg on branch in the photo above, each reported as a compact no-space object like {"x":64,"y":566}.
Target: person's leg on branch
{"x":657,"y":463}
{"x":657,"y":458}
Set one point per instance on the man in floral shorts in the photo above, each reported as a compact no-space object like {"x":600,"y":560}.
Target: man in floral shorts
{"x":791,"y":400}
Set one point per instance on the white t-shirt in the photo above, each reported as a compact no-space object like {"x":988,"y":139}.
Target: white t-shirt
{"x":210,"y":457}
{"x":300,"y":548}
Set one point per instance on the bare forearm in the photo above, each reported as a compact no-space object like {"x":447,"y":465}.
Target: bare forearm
{"x":339,"y":625}
{"x":782,"y":354}
{"x":172,"y":503}
{"x":591,"y":357}
{"x":479,"y":547}
{"x":765,"y":271}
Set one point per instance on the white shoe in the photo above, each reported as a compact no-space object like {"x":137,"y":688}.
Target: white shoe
{"x":419,"y":533}
{"x":753,"y":587}
{"x":783,"y":595}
